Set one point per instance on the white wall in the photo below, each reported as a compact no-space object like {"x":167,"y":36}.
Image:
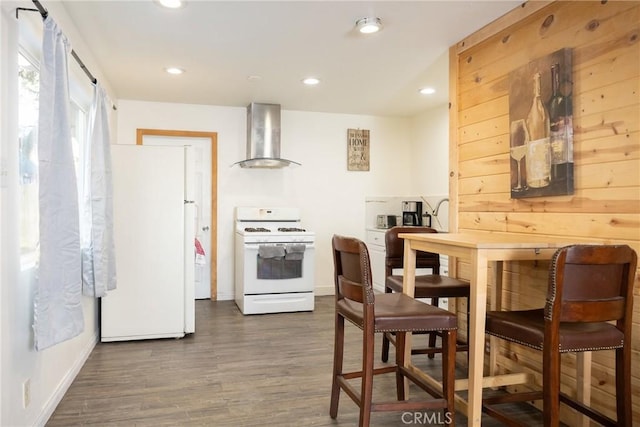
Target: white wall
{"x":51,"y":371}
{"x":430,"y":162}
{"x":430,"y":146}
{"x":330,"y":197}
{"x":428,"y":165}
{"x":4,"y":71}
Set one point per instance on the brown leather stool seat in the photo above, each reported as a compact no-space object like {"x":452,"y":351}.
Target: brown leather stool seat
{"x":432,"y":286}
{"x":397,"y":313}
{"x":589,"y":308}
{"x":526,"y":327}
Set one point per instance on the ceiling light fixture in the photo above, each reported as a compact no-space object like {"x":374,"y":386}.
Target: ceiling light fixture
{"x":171,"y":4}
{"x":369,"y":25}
{"x":174,"y":70}
{"x":311,"y":81}
{"x":427,"y":91}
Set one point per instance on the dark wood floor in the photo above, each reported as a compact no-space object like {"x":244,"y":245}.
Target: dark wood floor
{"x":236,"y":370}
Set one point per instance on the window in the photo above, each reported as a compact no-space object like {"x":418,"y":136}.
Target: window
{"x":28,"y":80}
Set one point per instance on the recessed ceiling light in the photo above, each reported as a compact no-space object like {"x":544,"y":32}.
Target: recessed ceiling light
{"x":174,"y":70}
{"x":427,"y":91}
{"x":171,"y":4}
{"x":311,"y":81}
{"x":369,"y":25}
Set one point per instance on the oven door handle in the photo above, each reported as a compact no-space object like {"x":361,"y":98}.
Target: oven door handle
{"x":256,"y":245}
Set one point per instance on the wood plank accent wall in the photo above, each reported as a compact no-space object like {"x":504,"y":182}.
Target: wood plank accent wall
{"x":605,"y":37}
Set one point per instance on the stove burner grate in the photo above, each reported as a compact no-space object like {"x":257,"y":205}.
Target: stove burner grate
{"x":290,"y":229}
{"x":257,"y":230}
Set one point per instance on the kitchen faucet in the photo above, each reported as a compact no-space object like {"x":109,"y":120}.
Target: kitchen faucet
{"x":435,"y":211}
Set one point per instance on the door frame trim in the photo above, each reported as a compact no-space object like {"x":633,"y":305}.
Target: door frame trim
{"x":213,"y":136}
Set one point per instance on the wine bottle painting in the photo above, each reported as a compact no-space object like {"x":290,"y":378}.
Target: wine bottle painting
{"x":541,"y":127}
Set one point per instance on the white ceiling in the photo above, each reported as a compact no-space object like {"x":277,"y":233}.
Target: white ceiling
{"x":222,"y":43}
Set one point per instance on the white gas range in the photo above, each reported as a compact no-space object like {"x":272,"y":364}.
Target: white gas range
{"x":274,"y":261}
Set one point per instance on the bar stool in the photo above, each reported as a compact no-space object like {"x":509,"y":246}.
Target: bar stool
{"x":589,"y":287}
{"x":432,"y":286}
{"x":399,"y":313}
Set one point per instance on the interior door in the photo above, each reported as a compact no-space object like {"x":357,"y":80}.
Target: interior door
{"x":201,"y":147}
{"x":149,"y":233}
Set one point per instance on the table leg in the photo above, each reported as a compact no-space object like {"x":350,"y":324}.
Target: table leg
{"x":495,"y":303}
{"x":408,"y":288}
{"x":478,"y":302}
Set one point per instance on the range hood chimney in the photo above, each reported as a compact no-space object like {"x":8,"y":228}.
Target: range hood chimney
{"x":263,"y":138}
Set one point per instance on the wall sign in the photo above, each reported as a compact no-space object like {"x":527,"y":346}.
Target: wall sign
{"x":357,"y":149}
{"x":541,"y":127}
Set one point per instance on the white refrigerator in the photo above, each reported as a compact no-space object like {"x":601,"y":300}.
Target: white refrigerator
{"x":154,"y":241}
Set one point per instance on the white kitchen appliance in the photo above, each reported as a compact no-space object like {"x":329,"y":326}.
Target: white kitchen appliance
{"x":274,"y":261}
{"x":154,"y":237}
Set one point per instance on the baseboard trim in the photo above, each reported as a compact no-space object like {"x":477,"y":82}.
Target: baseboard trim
{"x":324,"y":290}
{"x":71,"y":375}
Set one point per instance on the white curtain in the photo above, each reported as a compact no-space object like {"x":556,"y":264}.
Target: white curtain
{"x":98,"y":253}
{"x":58,"y":310}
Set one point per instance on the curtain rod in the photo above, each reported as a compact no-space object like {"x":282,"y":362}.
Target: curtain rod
{"x":44,"y":13}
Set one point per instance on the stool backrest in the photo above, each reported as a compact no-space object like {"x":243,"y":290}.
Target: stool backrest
{"x":592,"y":283}
{"x":394,"y":257}
{"x":352,"y":270}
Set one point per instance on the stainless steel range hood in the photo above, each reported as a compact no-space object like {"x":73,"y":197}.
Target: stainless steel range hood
{"x":263,"y":138}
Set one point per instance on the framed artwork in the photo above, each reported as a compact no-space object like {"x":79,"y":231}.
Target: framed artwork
{"x":357,"y":149}
{"x":541,"y":127}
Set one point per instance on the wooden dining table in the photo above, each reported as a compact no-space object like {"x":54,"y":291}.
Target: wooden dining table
{"x":480,"y":249}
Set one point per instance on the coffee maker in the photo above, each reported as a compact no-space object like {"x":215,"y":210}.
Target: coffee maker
{"x":411,"y":213}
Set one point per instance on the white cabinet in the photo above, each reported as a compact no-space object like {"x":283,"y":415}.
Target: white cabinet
{"x":444,"y":265}
{"x":377,"y":252}
{"x":444,"y":271}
